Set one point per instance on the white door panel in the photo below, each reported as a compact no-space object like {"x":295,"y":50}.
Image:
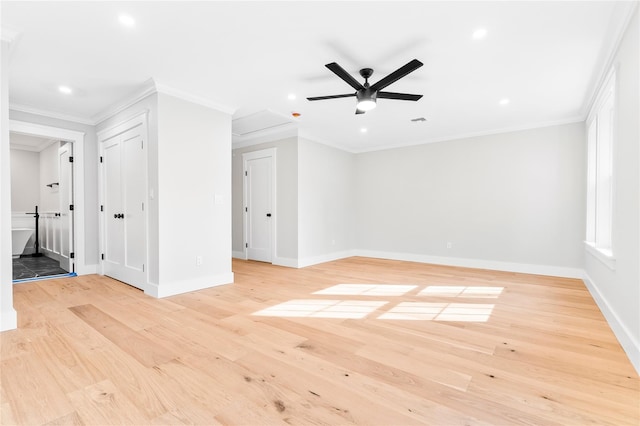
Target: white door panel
{"x":64,"y":230}
{"x":134,"y":198}
{"x":259,"y":211}
{"x":124,"y":218}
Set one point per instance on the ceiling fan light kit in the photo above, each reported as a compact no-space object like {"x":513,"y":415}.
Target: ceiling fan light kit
{"x":366,"y":100}
{"x":367,"y":95}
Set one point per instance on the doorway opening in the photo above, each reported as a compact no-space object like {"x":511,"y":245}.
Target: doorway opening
{"x":44,"y":201}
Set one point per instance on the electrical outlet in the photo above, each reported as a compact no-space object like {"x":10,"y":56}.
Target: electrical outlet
{"x":449,"y":245}
{"x":198,"y":260}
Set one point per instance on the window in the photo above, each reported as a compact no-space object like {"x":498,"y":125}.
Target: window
{"x":600,"y":140}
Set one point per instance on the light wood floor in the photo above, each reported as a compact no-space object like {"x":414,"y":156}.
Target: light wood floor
{"x":440,"y":346}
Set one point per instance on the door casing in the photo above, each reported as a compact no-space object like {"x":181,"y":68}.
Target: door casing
{"x":77,"y":139}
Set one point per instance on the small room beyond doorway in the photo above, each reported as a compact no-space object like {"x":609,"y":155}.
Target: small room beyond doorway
{"x":41,"y":207}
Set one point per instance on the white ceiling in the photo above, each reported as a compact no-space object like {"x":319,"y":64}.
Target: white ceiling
{"x":29,"y":143}
{"x":545,"y":57}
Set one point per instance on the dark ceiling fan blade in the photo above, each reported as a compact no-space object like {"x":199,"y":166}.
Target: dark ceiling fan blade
{"x":320,"y":98}
{"x":397,"y":74}
{"x":359,"y":111}
{"x":399,"y":96}
{"x":340,"y":72}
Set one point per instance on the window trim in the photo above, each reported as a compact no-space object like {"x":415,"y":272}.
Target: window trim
{"x":604,"y":254}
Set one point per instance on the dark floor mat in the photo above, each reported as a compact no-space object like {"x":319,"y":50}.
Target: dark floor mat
{"x":33,"y":267}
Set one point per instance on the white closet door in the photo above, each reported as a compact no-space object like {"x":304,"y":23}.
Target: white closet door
{"x":124,"y":219}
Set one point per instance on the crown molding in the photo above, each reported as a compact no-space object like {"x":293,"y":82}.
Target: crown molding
{"x":146,"y":89}
{"x":151,"y":86}
{"x":190,"y":97}
{"x":539,"y":125}
{"x":312,"y":138}
{"x":271,"y":134}
{"x":615,"y":39}
{"x":51,"y":114}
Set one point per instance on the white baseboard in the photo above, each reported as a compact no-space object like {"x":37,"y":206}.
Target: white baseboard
{"x":626,"y":339}
{"x":309,"y":261}
{"x":186,"y":286}
{"x":285,"y":261}
{"x":525,"y":268}
{"x":238,"y":255}
{"x":8,"y":320}
{"x":556,"y":271}
{"x":86,"y":269}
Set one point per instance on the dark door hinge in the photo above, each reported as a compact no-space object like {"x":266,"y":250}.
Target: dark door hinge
{"x":102,"y":256}
{"x":101,"y":158}
{"x":72,"y":255}
{"x":71,"y":159}
{"x":101,"y":208}
{"x":70,"y":206}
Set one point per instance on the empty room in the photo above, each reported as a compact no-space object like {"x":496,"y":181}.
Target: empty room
{"x":320,"y":212}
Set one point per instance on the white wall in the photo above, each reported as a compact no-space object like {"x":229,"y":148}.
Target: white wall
{"x":505,"y":201}
{"x":618,"y":291}
{"x":8,"y":315}
{"x":25,"y":180}
{"x":286,"y":199}
{"x":49,"y":173}
{"x":189,"y":151}
{"x":325,"y":203}
{"x":194,"y":170}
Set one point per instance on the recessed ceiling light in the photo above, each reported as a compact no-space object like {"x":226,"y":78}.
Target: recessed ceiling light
{"x":504,"y":101}
{"x":363,"y":130}
{"x":127,"y":21}
{"x":480,"y":33}
{"x":292,"y":96}
{"x":64,"y":89}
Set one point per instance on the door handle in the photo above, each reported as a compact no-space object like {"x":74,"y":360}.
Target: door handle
{"x":118,"y":216}
{"x":268,"y":214}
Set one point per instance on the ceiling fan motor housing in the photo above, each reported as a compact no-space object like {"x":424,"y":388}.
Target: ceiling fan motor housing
{"x":366,"y":94}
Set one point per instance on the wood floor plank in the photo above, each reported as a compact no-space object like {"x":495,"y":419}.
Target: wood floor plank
{"x":34,"y":395}
{"x":102,"y":404}
{"x":146,"y":351}
{"x":91,"y":350}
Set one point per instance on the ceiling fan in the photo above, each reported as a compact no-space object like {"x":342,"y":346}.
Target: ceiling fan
{"x":366,"y":94}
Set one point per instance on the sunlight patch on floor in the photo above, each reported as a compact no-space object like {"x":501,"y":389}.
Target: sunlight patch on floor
{"x":367,"y":289}
{"x":322,"y":308}
{"x":424,"y":311}
{"x":462,"y":291}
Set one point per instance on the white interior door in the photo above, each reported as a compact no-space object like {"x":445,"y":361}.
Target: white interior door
{"x":259,"y":208}
{"x":124,"y":220}
{"x":64,"y":230}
